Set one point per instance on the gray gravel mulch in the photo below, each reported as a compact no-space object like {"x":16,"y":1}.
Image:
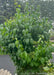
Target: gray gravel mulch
{"x":7,"y":64}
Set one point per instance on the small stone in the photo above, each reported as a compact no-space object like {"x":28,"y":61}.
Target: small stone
{"x":4,"y":72}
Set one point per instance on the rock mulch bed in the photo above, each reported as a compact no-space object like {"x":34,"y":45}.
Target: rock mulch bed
{"x":4,"y":72}
{"x":7,"y":64}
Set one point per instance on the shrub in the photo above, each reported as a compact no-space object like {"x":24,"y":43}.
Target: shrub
{"x":49,"y":69}
{"x":2,"y":19}
{"x":26,"y":39}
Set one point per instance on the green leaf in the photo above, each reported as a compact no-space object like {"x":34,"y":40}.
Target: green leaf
{"x":46,"y":69}
{"x":17,"y":43}
{"x":11,"y":45}
{"x":27,"y":41}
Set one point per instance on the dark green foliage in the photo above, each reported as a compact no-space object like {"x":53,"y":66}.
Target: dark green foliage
{"x":26,"y":39}
{"x":8,"y":9}
{"x":47,"y":9}
{"x":42,"y":28}
{"x":2,"y":19}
